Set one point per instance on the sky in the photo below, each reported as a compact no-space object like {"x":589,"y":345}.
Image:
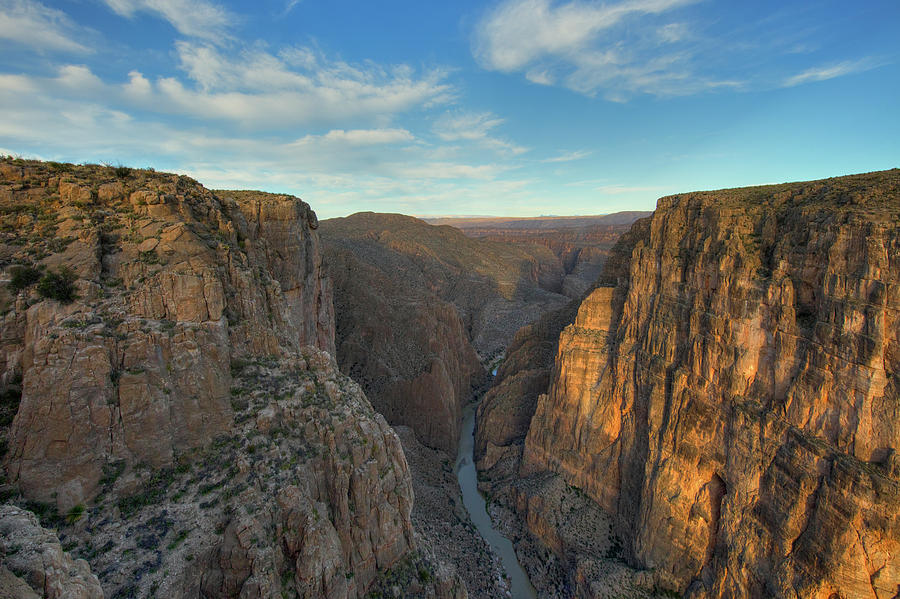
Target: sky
{"x":509,"y":108}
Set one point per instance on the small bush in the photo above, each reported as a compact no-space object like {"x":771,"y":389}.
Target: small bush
{"x":23,"y":277}
{"x":59,"y":285}
{"x":75,"y":514}
{"x":122,"y":171}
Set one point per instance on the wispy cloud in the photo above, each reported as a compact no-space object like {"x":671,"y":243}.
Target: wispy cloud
{"x":37,"y":26}
{"x":518,"y":32}
{"x":823,"y":73}
{"x":289,"y":6}
{"x":193,"y":18}
{"x":617,"y":49}
{"x":474,"y":126}
{"x":568,"y":156}
{"x":624,"y":48}
{"x":256,"y":89}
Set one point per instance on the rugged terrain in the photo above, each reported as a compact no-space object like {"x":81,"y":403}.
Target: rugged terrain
{"x":420,"y":308}
{"x":728,"y":396}
{"x":580,"y":243}
{"x":169,"y":407}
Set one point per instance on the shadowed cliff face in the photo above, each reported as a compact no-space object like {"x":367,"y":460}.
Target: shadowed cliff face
{"x":733,"y":399}
{"x":415,"y":302}
{"x":181,"y":410}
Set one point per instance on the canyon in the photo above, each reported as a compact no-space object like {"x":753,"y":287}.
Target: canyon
{"x":214,"y":394}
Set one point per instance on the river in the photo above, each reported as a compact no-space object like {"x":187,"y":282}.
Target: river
{"x":520,"y":586}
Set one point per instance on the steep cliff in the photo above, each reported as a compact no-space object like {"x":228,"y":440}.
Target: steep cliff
{"x":416,"y":305}
{"x":164,"y":356}
{"x":732,"y":398}
{"x":405,"y":346}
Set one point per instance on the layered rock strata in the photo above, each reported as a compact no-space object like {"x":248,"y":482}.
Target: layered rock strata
{"x":731,"y":399}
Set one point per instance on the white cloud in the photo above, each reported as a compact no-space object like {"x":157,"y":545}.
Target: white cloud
{"x":823,"y":73}
{"x":361,"y":137}
{"x":469,"y":125}
{"x":619,"y":49}
{"x":193,"y":18}
{"x":37,"y":26}
{"x":568,"y":156}
{"x":673,"y":32}
{"x":518,"y":32}
{"x":258,"y":90}
{"x":474,"y":126}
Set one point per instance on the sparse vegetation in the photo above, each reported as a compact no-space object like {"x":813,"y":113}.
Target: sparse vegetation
{"x":59,"y":285}
{"x":22,"y":277}
{"x":75,"y":514}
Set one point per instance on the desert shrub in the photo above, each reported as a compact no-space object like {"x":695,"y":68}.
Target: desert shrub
{"x":122,"y":171}
{"x":22,"y":277}
{"x":59,"y":285}
{"x":75,"y":514}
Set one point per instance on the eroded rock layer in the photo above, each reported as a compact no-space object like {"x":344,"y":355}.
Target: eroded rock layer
{"x":733,"y":398}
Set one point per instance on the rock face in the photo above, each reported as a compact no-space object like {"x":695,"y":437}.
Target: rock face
{"x":173,"y":281}
{"x":181,"y":409}
{"x":418,"y":305}
{"x":505,"y":411}
{"x":33,"y":564}
{"x":732,"y":398}
{"x":407,"y":348}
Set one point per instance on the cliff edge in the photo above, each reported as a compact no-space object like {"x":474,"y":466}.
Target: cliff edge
{"x":730,"y":396}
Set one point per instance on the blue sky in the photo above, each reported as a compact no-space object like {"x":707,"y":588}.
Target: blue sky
{"x":514,"y":107}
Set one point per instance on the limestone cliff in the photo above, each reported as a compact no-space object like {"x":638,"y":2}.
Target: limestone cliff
{"x":732,"y":398}
{"x":164,"y":356}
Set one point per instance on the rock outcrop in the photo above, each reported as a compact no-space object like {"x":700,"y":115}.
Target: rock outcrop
{"x":731,"y":397}
{"x":166,"y":353}
{"x":33,"y":563}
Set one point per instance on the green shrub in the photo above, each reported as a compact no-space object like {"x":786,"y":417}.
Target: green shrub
{"x":122,"y":171}
{"x":23,"y":277}
{"x":59,"y":285}
{"x":75,"y":514}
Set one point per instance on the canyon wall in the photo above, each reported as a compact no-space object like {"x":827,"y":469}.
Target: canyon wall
{"x":730,"y":394}
{"x":169,"y":399}
{"x":419,"y":307}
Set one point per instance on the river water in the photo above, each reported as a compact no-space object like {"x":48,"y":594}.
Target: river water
{"x":520,"y":586}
